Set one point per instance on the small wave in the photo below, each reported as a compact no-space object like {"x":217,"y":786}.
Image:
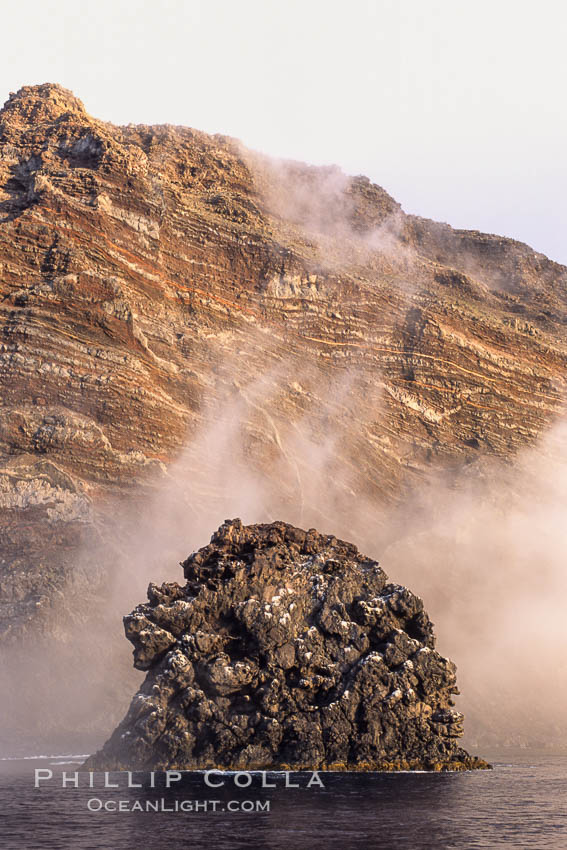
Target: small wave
{"x":36,"y":758}
{"x":73,"y":761}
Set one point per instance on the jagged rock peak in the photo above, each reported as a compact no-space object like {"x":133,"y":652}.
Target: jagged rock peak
{"x":44,"y":102}
{"x":286,"y":648}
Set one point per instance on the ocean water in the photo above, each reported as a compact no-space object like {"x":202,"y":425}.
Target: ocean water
{"x":520,"y":804}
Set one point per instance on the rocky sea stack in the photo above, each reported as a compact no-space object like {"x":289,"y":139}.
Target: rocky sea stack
{"x":286,"y":648}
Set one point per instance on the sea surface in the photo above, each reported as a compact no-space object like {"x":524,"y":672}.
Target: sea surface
{"x":522,"y":803}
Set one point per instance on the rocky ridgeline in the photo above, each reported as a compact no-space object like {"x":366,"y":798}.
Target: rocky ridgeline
{"x":286,"y":648}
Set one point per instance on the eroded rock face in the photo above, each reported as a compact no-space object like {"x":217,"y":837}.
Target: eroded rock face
{"x":286,"y":647}
{"x":147,"y":274}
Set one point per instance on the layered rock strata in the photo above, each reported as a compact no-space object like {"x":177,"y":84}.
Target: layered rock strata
{"x":147,"y":273}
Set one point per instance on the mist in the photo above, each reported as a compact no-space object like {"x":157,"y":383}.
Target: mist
{"x":485,"y":551}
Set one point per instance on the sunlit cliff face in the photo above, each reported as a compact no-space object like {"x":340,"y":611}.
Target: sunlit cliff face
{"x":270,"y":341}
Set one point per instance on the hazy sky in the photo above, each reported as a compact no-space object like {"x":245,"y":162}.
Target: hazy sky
{"x":456,"y":108}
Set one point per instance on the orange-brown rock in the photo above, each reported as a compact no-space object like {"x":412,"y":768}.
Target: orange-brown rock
{"x":147,"y":272}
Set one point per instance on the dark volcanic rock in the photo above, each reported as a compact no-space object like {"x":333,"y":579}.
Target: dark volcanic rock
{"x":286,"y":648}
